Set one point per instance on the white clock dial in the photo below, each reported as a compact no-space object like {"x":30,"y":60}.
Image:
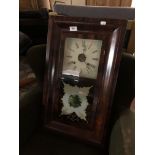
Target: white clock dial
{"x":81,"y":57}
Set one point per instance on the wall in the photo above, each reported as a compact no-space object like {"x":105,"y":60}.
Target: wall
{"x":124,"y":3}
{"x":33,"y":4}
{"x":72,"y":2}
{"x":36,"y":4}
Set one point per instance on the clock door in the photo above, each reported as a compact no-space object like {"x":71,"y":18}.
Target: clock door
{"x":81,"y":57}
{"x":81,"y":68}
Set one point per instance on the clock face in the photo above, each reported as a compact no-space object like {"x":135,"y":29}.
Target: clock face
{"x":81,"y":57}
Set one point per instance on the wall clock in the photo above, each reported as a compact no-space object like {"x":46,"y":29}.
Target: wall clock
{"x":82,"y":61}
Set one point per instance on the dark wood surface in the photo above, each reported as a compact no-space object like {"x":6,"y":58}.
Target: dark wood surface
{"x":112,"y":35}
{"x":36,"y":29}
{"x":35,"y":25}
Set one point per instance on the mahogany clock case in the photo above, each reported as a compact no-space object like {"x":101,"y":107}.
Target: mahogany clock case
{"x":111,"y":33}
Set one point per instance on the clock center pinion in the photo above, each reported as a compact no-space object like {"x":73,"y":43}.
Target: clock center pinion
{"x":82,"y":57}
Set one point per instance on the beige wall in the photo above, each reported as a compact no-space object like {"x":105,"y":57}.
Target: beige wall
{"x":37,"y":4}
{"x":33,"y":4}
{"x":78,"y":2}
{"x":73,"y":2}
{"x":123,"y":3}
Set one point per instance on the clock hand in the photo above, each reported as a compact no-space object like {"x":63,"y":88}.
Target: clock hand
{"x":74,"y":67}
{"x":71,"y":62}
{"x":88,"y":69}
{"x":85,"y":63}
{"x":80,"y":70}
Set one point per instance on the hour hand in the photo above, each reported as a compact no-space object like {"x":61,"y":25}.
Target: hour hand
{"x":71,"y":62}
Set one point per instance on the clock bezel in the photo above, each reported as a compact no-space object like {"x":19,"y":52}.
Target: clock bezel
{"x":87,"y":74}
{"x":81,"y":35}
{"x":106,"y":79}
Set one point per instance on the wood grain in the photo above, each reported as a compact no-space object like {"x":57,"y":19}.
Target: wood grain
{"x":131,"y":43}
{"x":112,"y":35}
{"x":124,"y":3}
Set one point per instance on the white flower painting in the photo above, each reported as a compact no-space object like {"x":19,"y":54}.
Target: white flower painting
{"x":75,"y":101}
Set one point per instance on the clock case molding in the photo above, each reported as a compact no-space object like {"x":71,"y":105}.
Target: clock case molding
{"x":112,"y":35}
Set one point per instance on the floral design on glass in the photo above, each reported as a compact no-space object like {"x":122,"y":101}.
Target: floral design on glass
{"x":74,"y":101}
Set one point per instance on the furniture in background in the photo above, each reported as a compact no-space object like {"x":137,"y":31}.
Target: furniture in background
{"x":27,"y":79}
{"x":95,"y":11}
{"x":33,"y":5}
{"x":24,"y":43}
{"x":120,"y":3}
{"x":38,"y":4}
{"x":104,"y":12}
{"x":35,"y":23}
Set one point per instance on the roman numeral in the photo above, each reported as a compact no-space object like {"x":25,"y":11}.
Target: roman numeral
{"x":96,"y":59}
{"x":90,"y":45}
{"x":77,"y":45}
{"x":84,"y":45}
{"x":70,"y":49}
{"x":94,"y":51}
{"x":91,"y":65}
{"x":69,"y":56}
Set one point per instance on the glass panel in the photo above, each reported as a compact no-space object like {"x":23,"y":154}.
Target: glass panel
{"x":75,"y":101}
{"x":80,"y":68}
{"x":81,"y":57}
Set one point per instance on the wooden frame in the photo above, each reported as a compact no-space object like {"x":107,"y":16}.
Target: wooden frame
{"x":111,"y":31}
{"x":131,"y":42}
{"x":109,"y":3}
